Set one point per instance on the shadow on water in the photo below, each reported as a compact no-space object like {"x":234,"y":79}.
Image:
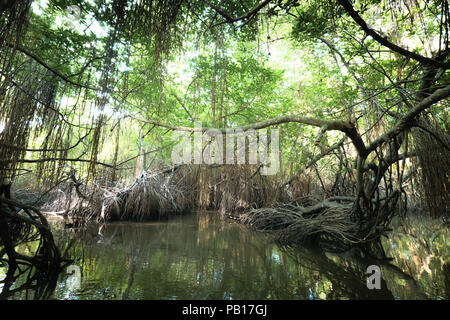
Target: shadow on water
{"x":200,"y":256}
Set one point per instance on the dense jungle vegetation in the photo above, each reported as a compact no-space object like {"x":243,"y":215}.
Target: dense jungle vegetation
{"x":95,"y":93}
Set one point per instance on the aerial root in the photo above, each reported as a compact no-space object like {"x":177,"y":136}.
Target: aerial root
{"x":327,"y":223}
{"x":151,"y":196}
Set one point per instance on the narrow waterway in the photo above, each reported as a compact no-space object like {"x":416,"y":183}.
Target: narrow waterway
{"x":200,"y":256}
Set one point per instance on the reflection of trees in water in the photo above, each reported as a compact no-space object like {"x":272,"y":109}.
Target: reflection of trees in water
{"x":206,"y":258}
{"x":189,"y":259}
{"x":218,"y":262}
{"x":346,"y":277}
{"x":420,"y":247}
{"x":28,"y":254}
{"x":29,"y":282}
{"x":201,"y":257}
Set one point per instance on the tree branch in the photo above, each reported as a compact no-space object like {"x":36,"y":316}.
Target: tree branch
{"x":385,"y":42}
{"x":10,"y":146}
{"x":406,"y":121}
{"x":247,"y":15}
{"x":55,"y":159}
{"x":326,"y":125}
{"x":324,"y":153}
{"x":55,"y":72}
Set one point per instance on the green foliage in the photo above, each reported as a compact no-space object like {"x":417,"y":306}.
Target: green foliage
{"x":314,"y":19}
{"x":186,"y":63}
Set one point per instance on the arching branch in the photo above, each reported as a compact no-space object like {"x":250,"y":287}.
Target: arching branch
{"x":326,"y":125}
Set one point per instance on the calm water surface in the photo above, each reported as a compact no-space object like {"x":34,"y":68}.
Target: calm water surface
{"x":200,"y":256}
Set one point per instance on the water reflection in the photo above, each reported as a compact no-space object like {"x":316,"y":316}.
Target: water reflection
{"x":421,"y":248}
{"x":28,"y":282}
{"x":201,"y":257}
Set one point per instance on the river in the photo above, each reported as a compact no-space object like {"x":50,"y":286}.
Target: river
{"x":200,"y":256}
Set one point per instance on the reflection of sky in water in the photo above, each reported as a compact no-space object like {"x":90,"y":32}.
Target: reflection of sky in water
{"x":276,"y":258}
{"x":311,"y":295}
{"x":227,"y":296}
